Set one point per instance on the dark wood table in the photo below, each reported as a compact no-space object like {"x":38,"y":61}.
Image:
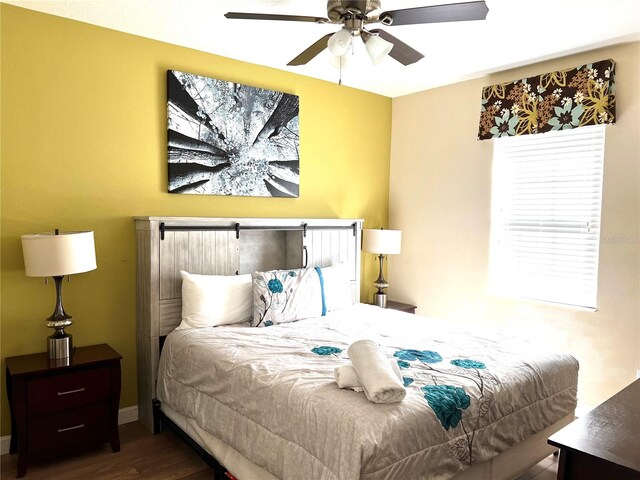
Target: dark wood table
{"x":403,"y":307}
{"x":61,"y":406}
{"x":605,"y":443}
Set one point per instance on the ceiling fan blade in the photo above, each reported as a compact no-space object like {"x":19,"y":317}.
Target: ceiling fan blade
{"x":269,"y":16}
{"x":455,"y":12}
{"x":400,"y":51}
{"x":311,"y":52}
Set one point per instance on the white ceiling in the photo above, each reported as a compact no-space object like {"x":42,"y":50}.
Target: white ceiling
{"x":516,"y":32}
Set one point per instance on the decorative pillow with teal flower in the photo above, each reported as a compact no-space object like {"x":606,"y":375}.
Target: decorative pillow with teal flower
{"x":281,"y":296}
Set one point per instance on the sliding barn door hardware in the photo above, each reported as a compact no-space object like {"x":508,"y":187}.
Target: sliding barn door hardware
{"x":237,"y":227}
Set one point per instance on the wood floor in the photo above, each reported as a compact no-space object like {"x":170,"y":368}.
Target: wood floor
{"x":164,"y":456}
{"x":142,"y":456}
{"x":547,"y":469}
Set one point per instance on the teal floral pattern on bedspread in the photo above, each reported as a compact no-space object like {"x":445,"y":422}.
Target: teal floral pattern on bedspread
{"x":426,"y":356}
{"x":326,"y":350}
{"x":467,"y":363}
{"x":447,"y":402}
{"x":453,"y":387}
{"x":453,"y":405}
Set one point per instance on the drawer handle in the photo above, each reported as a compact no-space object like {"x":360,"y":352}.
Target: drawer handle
{"x":60,"y":430}
{"x":71,"y":391}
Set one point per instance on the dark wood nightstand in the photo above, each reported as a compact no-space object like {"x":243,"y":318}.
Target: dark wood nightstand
{"x":60,"y":406}
{"x":605,"y":442}
{"x":403,"y":307}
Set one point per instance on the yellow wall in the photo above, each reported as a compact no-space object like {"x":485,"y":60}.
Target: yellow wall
{"x":440,"y":196}
{"x":84,"y":147}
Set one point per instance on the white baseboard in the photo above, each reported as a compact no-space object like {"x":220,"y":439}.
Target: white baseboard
{"x":125,"y":415}
{"x":4,"y":444}
{"x":128,"y":415}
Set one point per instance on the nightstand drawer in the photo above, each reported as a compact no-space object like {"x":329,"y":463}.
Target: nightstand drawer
{"x":73,"y":428}
{"x":68,"y":390}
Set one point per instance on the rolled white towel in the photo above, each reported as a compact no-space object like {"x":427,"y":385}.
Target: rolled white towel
{"x":346,"y":376}
{"x":380,"y":383}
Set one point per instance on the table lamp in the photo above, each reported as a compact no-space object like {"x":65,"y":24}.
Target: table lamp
{"x":56,"y":255}
{"x":381,"y":242}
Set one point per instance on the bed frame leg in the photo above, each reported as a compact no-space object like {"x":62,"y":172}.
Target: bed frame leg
{"x":157,"y":417}
{"x":160,"y":421}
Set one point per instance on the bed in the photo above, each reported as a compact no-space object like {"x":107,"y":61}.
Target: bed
{"x":263,"y":401}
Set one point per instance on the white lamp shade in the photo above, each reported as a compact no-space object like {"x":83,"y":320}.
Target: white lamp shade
{"x":377,"y":48}
{"x":51,"y":255}
{"x":384,"y":242}
{"x":339,"y":42}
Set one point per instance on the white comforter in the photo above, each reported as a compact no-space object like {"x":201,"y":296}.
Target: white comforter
{"x":270,"y":394}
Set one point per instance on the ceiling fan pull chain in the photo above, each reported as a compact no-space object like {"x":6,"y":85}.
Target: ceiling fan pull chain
{"x":340,"y":70}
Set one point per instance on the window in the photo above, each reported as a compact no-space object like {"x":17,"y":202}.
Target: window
{"x":545,"y":218}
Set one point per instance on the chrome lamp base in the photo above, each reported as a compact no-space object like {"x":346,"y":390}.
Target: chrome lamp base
{"x":59,"y":345}
{"x":380,"y":299}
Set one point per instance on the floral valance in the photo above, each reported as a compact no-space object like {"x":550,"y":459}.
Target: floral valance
{"x":560,"y":100}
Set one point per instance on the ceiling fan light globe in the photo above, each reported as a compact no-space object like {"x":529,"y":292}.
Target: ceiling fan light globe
{"x":339,"y":62}
{"x":339,"y":42}
{"x":377,"y":48}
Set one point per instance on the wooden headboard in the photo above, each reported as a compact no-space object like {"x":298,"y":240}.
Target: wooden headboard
{"x":222,"y":246}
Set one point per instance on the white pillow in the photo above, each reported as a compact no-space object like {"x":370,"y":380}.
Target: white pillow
{"x":337,"y":287}
{"x":211,"y":300}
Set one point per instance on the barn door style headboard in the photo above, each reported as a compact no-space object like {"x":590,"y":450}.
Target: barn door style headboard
{"x":222,"y":246}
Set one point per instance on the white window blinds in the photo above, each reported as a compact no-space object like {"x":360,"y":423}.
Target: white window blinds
{"x":545,"y":219}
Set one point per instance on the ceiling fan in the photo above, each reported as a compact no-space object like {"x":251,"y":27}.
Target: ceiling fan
{"x":356,"y":15}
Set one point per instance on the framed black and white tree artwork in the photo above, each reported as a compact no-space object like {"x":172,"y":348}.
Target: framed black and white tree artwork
{"x":226,"y":138}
